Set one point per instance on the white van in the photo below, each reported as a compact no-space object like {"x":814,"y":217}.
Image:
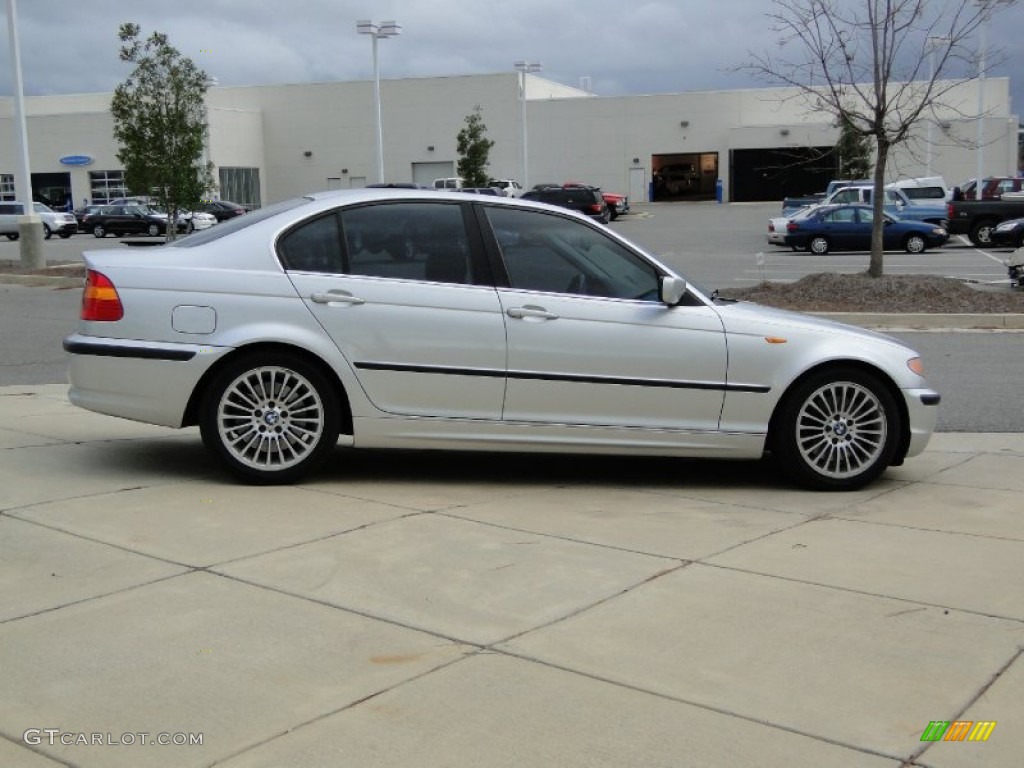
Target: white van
{"x":926,"y":189}
{"x":63,"y":224}
{"x":454,"y":183}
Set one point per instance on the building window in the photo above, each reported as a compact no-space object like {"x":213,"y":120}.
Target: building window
{"x":6,"y":186}
{"x":105,"y":186}
{"x":241,"y":185}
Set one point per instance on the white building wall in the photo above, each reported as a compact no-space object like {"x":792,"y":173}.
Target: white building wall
{"x":572,"y":135}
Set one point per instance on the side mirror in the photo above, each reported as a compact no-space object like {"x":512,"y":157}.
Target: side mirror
{"x":671,"y":290}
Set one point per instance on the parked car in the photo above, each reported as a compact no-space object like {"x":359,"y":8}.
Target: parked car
{"x":54,"y":222}
{"x":511,"y":187}
{"x":617,"y":204}
{"x":677,"y":178}
{"x":492,"y":191}
{"x":586,"y":200}
{"x":430,"y":319}
{"x":848,"y":228}
{"x":993,"y":188}
{"x":978,"y":218}
{"x":121,"y":220}
{"x":1009,"y":233}
{"x":190,"y":221}
{"x":85,"y":210}
{"x":449,"y":183}
{"x":222,"y":210}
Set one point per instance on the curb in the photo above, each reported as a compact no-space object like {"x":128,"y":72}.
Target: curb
{"x":909,"y":321}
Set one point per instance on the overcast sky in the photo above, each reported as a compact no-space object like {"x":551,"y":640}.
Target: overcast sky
{"x":623,"y":46}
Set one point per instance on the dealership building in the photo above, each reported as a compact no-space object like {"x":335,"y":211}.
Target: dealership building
{"x":271,"y":142}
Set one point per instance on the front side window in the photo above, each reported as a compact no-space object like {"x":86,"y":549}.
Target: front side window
{"x":408,"y":241}
{"x":549,"y":253}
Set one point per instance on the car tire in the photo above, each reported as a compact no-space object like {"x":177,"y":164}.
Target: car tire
{"x":99,"y":231}
{"x":836,"y":430}
{"x":981,"y":233}
{"x":47,"y":232}
{"x":65,"y":235}
{"x":818,"y":245}
{"x":153,"y":230}
{"x":190,"y":228}
{"x":613,"y":213}
{"x":915,"y":244}
{"x":271,"y":418}
{"x":12,"y":236}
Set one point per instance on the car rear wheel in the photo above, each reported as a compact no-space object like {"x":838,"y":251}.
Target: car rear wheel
{"x":47,"y":232}
{"x":271,"y":418}
{"x":99,"y":231}
{"x":65,"y":235}
{"x":818,"y":245}
{"x":153,"y":230}
{"x":837,"y":430}
{"x":915,"y":244}
{"x":12,"y":236}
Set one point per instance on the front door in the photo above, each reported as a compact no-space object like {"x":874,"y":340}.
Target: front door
{"x":589,"y":342}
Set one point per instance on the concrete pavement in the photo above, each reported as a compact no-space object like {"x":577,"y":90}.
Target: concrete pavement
{"x":437,"y":609}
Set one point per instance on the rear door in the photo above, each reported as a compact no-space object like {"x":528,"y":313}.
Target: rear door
{"x":408,"y":301}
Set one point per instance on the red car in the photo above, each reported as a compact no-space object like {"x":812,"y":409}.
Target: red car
{"x":617,"y":204}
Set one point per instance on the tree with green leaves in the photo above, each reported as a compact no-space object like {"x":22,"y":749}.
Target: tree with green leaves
{"x":160,"y":123}
{"x":853,"y":151}
{"x":878,"y":67}
{"x":474,"y":150}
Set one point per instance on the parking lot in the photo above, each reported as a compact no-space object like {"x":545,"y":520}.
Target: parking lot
{"x":716,"y":246}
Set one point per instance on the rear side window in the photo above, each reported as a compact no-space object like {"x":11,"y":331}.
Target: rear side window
{"x":313,"y":247}
{"x":408,"y":241}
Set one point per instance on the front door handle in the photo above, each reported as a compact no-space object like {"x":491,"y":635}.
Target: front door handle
{"x":531,"y":312}
{"x":336,"y":297}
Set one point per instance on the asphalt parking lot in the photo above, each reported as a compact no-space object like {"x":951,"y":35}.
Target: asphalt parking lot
{"x":440,"y":609}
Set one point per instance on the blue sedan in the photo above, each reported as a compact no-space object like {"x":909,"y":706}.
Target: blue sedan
{"x":848,"y":228}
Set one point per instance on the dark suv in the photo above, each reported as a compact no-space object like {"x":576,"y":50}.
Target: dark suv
{"x":586,"y":200}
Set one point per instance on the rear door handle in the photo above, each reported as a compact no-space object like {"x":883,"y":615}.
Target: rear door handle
{"x":531,"y":312}
{"x":336,"y":297}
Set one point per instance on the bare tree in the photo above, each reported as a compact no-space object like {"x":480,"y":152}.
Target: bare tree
{"x":876,"y":66}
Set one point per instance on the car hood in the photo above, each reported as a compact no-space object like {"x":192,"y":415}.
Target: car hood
{"x":745,"y":317}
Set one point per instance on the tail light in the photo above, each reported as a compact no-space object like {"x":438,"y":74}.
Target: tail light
{"x":792,"y":226}
{"x":100,"y":301}
{"x":595,"y":208}
{"x":949,"y":211}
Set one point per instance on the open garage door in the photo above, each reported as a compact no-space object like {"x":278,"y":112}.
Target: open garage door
{"x":684,"y":176}
{"x":772,"y":174}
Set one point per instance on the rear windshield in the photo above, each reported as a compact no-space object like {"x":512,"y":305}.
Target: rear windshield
{"x":202,"y":236}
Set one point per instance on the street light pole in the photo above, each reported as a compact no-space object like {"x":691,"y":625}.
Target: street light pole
{"x":377,"y":32}
{"x":523,"y":67}
{"x":30,"y":227}
{"x":932,"y":43}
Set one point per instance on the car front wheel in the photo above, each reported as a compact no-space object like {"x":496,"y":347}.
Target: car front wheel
{"x":837,"y":430}
{"x":153,"y":230}
{"x":914,"y":244}
{"x":271,"y":418}
{"x":981,"y":233}
{"x":47,"y":232}
{"x":818,"y":246}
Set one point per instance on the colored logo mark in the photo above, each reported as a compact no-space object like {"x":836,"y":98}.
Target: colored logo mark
{"x":958,"y":730}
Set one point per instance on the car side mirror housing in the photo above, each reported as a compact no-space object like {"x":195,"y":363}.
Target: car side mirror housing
{"x":671,"y":290}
